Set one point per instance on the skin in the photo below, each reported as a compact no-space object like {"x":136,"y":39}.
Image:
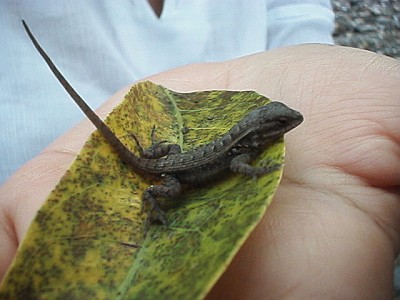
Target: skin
{"x":333,"y":228}
{"x":157,"y":6}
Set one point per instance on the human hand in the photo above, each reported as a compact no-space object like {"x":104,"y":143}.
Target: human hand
{"x":332,"y":229}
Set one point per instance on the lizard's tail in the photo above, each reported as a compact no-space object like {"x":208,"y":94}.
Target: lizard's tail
{"x":125,"y":154}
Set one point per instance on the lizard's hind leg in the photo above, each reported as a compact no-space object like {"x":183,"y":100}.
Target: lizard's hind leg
{"x":158,"y":148}
{"x":169,"y":189}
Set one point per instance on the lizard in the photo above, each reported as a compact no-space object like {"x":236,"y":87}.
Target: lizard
{"x":233,"y":151}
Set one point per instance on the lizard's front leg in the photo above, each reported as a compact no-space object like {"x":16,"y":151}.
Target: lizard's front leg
{"x":241,"y":164}
{"x":170,"y":188}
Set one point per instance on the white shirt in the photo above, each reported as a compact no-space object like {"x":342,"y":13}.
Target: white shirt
{"x":101,"y":46}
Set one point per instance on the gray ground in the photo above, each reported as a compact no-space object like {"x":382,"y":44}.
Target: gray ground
{"x":373,"y":25}
{"x":370,"y":24}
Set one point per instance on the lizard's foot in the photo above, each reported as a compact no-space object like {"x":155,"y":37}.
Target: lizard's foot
{"x":170,"y":188}
{"x":258,"y":172}
{"x":240,"y":164}
{"x":150,"y":206}
{"x":158,"y":148}
{"x":161,"y":149}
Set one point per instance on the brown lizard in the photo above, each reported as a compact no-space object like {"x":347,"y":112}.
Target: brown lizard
{"x":233,"y":151}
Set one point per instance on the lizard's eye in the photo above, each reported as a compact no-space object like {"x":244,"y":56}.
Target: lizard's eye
{"x":282,"y":120}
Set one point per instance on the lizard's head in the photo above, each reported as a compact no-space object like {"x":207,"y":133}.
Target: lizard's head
{"x":274,"y":120}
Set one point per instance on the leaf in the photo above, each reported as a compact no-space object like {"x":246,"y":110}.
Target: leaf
{"x":89,"y":239}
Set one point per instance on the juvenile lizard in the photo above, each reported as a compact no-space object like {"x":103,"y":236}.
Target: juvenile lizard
{"x":233,"y":151}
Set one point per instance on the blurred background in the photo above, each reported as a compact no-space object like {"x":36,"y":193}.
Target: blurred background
{"x":370,"y":24}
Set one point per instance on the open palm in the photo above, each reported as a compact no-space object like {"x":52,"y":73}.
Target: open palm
{"x":333,"y":228}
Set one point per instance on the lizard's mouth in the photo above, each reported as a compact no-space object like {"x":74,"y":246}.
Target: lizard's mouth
{"x":296,"y":120}
{"x":281,"y":126}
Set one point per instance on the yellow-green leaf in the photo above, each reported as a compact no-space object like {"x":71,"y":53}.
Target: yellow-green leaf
{"x":90,"y":241}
